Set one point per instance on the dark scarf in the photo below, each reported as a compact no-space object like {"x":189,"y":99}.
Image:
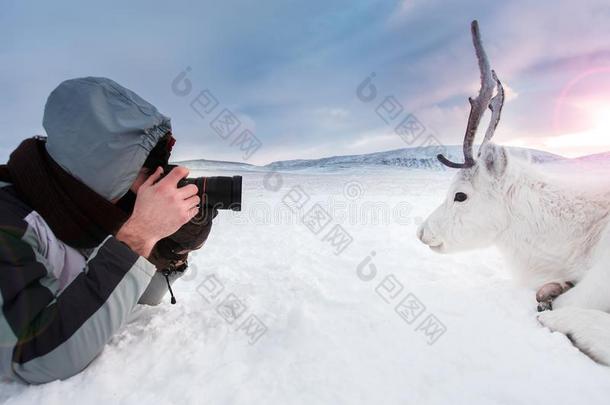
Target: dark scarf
{"x":77,"y":215}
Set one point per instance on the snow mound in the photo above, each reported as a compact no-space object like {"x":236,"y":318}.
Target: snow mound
{"x":334,"y":328}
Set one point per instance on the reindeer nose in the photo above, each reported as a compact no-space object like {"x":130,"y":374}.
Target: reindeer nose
{"x":426,"y":235}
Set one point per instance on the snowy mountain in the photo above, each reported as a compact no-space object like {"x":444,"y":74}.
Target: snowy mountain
{"x":219,"y":165}
{"x":602,"y":159}
{"x":416,"y":158}
{"x":419,"y":158}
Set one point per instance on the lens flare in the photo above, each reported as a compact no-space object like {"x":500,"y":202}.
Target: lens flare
{"x":582,"y":115}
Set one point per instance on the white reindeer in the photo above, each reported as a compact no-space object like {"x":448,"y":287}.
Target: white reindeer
{"x":552,"y":236}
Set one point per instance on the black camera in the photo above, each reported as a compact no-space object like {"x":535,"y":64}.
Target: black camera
{"x":221,"y":192}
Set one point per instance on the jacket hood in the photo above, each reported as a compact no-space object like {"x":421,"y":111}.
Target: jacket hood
{"x":101,"y":133}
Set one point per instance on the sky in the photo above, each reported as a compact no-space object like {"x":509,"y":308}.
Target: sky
{"x":291,"y":71}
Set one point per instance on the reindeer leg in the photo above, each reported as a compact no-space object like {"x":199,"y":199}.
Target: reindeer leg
{"x":588,"y":329}
{"x":593,"y":291}
{"x":582,"y":313}
{"x":549,"y":291}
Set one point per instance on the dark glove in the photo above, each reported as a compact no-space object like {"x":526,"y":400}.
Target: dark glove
{"x":171,"y":253}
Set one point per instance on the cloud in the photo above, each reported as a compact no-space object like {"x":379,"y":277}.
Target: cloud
{"x":290,"y":69}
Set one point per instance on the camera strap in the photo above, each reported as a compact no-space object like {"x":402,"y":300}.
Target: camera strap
{"x":170,"y":271}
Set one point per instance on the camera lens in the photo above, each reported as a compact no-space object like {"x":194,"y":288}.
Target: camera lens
{"x":222,"y":192}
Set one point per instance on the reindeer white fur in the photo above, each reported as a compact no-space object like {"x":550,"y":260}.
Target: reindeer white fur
{"x":551,"y":235}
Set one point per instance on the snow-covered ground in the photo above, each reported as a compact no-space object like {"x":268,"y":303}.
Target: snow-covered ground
{"x":330,"y":331}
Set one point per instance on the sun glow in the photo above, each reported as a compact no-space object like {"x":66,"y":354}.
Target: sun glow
{"x":601,"y":119}
{"x":581,"y":119}
{"x":587,"y":141}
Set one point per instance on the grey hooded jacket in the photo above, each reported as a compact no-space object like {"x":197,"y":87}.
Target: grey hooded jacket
{"x":60,"y":305}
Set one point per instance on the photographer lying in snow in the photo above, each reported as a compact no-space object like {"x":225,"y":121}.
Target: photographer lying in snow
{"x":81,"y":212}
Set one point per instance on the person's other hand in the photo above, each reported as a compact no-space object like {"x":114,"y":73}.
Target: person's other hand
{"x":161,"y":208}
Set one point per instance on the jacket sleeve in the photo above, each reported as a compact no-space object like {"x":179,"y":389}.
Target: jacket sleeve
{"x":71,"y":329}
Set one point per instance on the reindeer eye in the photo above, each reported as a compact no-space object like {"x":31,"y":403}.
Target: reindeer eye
{"x":460,"y":197}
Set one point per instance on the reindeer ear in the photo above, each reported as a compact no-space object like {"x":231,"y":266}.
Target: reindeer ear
{"x":494,"y":159}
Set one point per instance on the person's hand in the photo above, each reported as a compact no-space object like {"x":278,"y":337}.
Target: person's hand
{"x":161,"y":208}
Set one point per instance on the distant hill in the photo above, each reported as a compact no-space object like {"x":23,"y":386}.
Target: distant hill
{"x":204,"y":164}
{"x":416,"y":158}
{"x":603,"y":158}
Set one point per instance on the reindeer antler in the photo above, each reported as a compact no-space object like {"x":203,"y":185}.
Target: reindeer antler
{"x":496,"y":110}
{"x":478,"y":105}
